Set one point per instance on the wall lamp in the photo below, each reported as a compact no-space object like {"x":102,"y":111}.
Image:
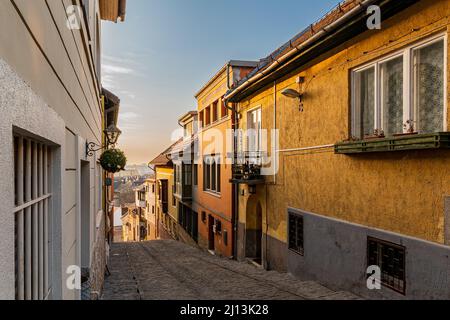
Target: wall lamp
{"x":112,"y":134}
{"x":294,"y":94}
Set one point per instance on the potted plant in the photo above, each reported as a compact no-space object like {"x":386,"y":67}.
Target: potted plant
{"x":409,"y":128}
{"x":377,"y":134}
{"x":113,"y":160}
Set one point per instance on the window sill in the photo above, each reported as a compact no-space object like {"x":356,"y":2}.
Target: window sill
{"x":439,"y":140}
{"x":214,"y":194}
{"x":300,"y":253}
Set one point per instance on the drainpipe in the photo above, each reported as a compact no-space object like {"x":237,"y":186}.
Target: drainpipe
{"x":228,"y":76}
{"x":275,"y":173}
{"x":157,"y":215}
{"x":300,"y":47}
{"x":235,"y":187}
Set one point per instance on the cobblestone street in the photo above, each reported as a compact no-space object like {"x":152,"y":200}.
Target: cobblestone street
{"x":170,"y":270}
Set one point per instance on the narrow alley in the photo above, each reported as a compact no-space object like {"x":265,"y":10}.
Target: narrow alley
{"x":170,"y":270}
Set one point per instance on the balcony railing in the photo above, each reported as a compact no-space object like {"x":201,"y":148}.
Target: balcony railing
{"x":141,"y":204}
{"x":247,"y":169}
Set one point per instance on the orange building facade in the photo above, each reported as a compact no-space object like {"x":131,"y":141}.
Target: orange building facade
{"x":215,"y":199}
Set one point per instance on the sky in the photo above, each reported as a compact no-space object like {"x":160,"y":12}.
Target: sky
{"x":166,"y":50}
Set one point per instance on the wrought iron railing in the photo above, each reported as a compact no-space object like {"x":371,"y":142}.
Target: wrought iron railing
{"x":248,"y":165}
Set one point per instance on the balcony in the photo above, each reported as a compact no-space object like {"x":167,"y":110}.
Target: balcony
{"x":141,"y":204}
{"x":247,"y":169}
{"x":183,"y":182}
{"x":439,"y":140}
{"x":183,"y":191}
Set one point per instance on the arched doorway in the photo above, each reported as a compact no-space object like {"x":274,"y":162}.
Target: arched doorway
{"x":253,"y":231}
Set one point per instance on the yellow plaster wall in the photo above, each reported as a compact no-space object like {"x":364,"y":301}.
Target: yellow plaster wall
{"x":163,"y":173}
{"x":400,"y":192}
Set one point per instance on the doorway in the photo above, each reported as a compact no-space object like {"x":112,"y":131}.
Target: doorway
{"x":85,"y":195}
{"x":253,"y":232}
{"x":211,"y":235}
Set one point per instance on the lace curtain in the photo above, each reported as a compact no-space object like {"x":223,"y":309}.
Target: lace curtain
{"x":429,"y":88}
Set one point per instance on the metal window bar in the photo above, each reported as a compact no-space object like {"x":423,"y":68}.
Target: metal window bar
{"x":391,"y":259}
{"x":32,"y":205}
{"x":296,"y":239}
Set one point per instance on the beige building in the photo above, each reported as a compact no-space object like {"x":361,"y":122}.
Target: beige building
{"x":145,"y":198}
{"x":150,"y":209}
{"x":359,"y":177}
{"x":166,"y":204}
{"x":130,"y":224}
{"x":52,"y":217}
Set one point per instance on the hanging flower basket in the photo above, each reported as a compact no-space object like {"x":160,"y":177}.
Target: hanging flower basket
{"x":113,"y":160}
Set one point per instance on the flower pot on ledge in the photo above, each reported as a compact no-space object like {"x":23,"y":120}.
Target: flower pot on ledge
{"x":405,"y":134}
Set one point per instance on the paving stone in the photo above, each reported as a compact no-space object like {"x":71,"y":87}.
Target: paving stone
{"x":170,"y":270}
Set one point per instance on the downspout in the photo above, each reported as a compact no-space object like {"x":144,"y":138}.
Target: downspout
{"x":228,"y":76}
{"x":157,"y":215}
{"x":275,"y":173}
{"x":300,"y":47}
{"x":235,"y":187}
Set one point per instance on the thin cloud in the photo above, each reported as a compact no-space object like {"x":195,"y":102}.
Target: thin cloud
{"x":125,"y":116}
{"x":111,"y":69}
{"x":129,"y":94}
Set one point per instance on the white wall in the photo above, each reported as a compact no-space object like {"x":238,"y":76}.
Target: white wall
{"x":48,"y":87}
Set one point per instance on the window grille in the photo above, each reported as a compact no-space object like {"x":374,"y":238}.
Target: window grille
{"x":296,"y":233}
{"x":390,"y":258}
{"x":32,"y":163}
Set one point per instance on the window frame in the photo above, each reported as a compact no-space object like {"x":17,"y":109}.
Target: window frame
{"x":408,"y":82}
{"x":259,"y":143}
{"x":211,"y":169}
{"x":296,"y":215}
{"x":215,"y":112}
{"x":385,"y":243}
{"x":224,"y":110}
{"x":195,"y":174}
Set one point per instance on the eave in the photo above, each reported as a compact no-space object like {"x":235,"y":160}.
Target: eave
{"x":331,"y":39}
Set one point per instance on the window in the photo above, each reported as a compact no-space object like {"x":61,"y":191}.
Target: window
{"x":195,"y":174}
{"x":224,"y":111}
{"x":296,"y":233}
{"x":215,"y":110}
{"x":218,"y":186}
{"x":211,"y":174}
{"x":189,"y":130}
{"x":207,"y":116}
{"x":254,"y":135}
{"x":174,"y":200}
{"x":402,"y":94}
{"x":188,"y":220}
{"x":164,"y":196}
{"x":187,"y":174}
{"x":153,"y":188}
{"x":390,"y":258}
{"x":177,"y":178}
{"x":153,"y":209}
{"x":202,"y":119}
{"x":32,"y":213}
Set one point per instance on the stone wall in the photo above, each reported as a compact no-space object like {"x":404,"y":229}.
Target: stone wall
{"x":98,"y":264}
